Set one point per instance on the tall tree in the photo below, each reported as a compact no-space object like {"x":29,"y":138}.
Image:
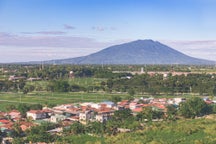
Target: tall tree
{"x":194,"y":107}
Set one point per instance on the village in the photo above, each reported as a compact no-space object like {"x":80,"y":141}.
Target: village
{"x":85,"y":112}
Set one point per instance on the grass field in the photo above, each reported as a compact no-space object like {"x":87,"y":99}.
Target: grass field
{"x":186,"y":131}
{"x":63,"y":98}
{"x":52,"y":98}
{"x":84,"y":82}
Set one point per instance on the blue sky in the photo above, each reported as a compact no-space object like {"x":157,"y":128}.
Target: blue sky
{"x":50,"y":29}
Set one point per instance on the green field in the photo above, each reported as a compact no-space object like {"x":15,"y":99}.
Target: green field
{"x":44,"y":98}
{"x":52,"y":98}
{"x":83,"y":82}
{"x":186,"y":131}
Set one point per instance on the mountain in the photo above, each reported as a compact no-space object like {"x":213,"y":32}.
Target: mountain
{"x":136,"y":52}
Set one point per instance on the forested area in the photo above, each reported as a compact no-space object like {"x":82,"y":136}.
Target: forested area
{"x":58,"y":79}
{"x":157,"y":84}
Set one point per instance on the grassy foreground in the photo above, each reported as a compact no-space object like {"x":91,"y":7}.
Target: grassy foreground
{"x":196,"y":131}
{"x":186,"y":131}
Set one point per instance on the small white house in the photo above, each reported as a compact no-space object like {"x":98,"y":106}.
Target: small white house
{"x":36,"y":114}
{"x":57,"y":118}
{"x":86,"y":116}
{"x":103,"y":116}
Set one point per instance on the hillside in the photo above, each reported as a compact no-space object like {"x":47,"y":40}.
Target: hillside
{"x":136,"y":52}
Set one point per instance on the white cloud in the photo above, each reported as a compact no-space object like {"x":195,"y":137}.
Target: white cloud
{"x":205,"y":49}
{"x":68,"y":27}
{"x":102,"y":28}
{"x":46,"y":32}
{"x":7,"y":39}
{"x":20,"y":48}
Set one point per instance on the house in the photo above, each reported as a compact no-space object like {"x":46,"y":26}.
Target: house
{"x":86,"y":115}
{"x":14,"y":78}
{"x":109,"y":104}
{"x":6,"y":126}
{"x":137,"y":110}
{"x":15,"y":114}
{"x":177,"y":101}
{"x":72,"y":111}
{"x":26,"y":125}
{"x":133,"y":105}
{"x":159,"y":107}
{"x":123,"y":103}
{"x":103,"y":116}
{"x":57,"y":118}
{"x":36,"y":114}
{"x":2,"y":114}
{"x":63,"y":107}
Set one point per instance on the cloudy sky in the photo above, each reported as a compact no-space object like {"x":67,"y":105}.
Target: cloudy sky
{"x":52,"y":29}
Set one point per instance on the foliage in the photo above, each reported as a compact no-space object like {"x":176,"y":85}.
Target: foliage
{"x":75,"y":128}
{"x":181,"y":132}
{"x":23,"y":108}
{"x":81,"y":139}
{"x":28,"y":88}
{"x":115,"y":98}
{"x":35,"y":107}
{"x":171,"y":112}
{"x":131,"y":92}
{"x":17,"y":131}
{"x":95,"y":127}
{"x":148,"y":114}
{"x":60,"y":86}
{"x":194,"y":107}
{"x":40,"y":134}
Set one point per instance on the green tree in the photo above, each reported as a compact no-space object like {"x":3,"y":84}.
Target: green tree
{"x":77,"y":128}
{"x":95,"y":127}
{"x":122,"y":115}
{"x":61,"y":86}
{"x":23,"y":108}
{"x":115,"y":98}
{"x":28,"y":88}
{"x":171,"y":112}
{"x":10,"y":107}
{"x":214,"y":90}
{"x":17,"y":131}
{"x":110,"y":85}
{"x":112,"y":127}
{"x":40,"y":134}
{"x":131,"y":92}
{"x":36,"y":107}
{"x":194,"y":107}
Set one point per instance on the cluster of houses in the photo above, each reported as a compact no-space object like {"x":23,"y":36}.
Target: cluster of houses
{"x":8,"y":119}
{"x":67,"y":114}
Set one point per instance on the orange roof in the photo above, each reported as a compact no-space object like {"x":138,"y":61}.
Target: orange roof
{"x":14,"y":111}
{"x":8,"y":125}
{"x":4,"y":121}
{"x":35,"y":111}
{"x":46,"y":111}
{"x":137,"y":109}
